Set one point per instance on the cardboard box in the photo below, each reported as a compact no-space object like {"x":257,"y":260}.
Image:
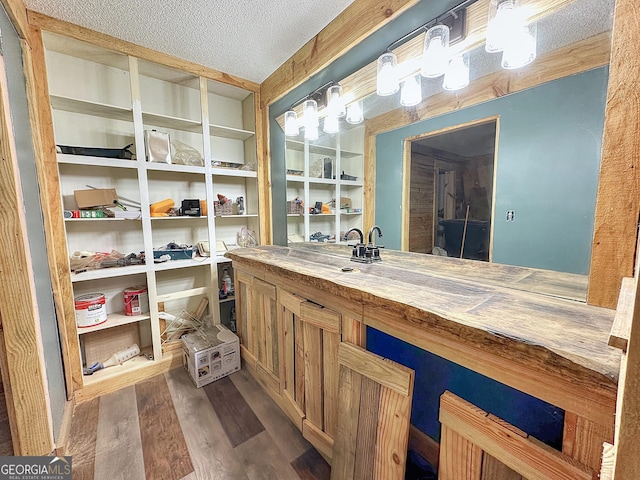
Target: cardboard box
{"x":345,"y":202}
{"x":97,"y":197}
{"x":210,"y":354}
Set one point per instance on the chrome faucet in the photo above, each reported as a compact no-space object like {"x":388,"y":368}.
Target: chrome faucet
{"x":358,"y":254}
{"x":372,"y":250}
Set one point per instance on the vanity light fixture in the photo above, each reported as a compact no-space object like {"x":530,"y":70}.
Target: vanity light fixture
{"x":411,"y":93}
{"x":355,"y":113}
{"x":457,"y":74}
{"x":335,"y":101}
{"x":387,"y":77}
{"x":291,"y":128}
{"x":326,"y":101}
{"x":435,"y":56}
{"x":331,"y":124}
{"x":521,"y":50}
{"x":507,"y":32}
{"x":310,"y":119}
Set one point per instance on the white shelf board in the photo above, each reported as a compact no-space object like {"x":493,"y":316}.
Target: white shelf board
{"x":301,"y":215}
{"x":352,"y":183}
{"x":91,"y":53}
{"x":320,"y":215}
{"x":114,"y":320}
{"x":181,"y":217}
{"x":320,"y":149}
{"x":66,"y":158}
{"x":95,"y":109}
{"x":350,"y":213}
{"x":107,"y":219}
{"x":108,"y":273}
{"x":295,"y":178}
{"x":222,"y":259}
{"x":248,"y":215}
{"x":173,"y":264}
{"x":173,"y":123}
{"x":324,"y":181}
{"x":170,"y":167}
{"x":230,"y":132}
{"x":233,"y":172}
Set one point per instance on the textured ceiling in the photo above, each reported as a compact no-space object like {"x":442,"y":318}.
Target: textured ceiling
{"x":247,"y":38}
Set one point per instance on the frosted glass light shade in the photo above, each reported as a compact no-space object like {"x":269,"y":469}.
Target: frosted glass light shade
{"x":311,"y":132}
{"x":411,"y":93}
{"x":335,"y":102}
{"x":331,"y":124}
{"x":310,"y":120}
{"x":355,"y":113}
{"x":521,"y":48}
{"x":435,"y":56}
{"x":291,"y":124}
{"x":502,"y":19}
{"x":387,"y":78}
{"x":457,"y":75}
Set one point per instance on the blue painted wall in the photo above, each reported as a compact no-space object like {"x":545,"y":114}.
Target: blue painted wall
{"x":549,"y":151}
{"x":434,"y":375}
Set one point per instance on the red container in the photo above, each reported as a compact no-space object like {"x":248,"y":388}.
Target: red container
{"x":136,"y":300}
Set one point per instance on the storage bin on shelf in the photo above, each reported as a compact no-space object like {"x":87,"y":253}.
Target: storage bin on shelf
{"x":223,"y":209}
{"x":295,"y":207}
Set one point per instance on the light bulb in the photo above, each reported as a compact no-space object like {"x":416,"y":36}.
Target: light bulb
{"x":310,"y":120}
{"x":331,"y":124}
{"x":521,"y":48}
{"x":291,"y":124}
{"x":387,"y":78}
{"x":435,"y":56}
{"x":310,"y":108}
{"x":457,"y":75}
{"x":355,"y":114}
{"x":411,"y":93}
{"x":335,"y":103}
{"x":503,"y":18}
{"x":310,"y":132}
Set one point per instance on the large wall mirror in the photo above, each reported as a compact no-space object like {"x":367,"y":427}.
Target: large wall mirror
{"x":524,"y":160}
{"x":516,"y":153}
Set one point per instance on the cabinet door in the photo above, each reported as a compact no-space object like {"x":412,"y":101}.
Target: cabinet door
{"x":310,"y":386}
{"x":257,"y":326}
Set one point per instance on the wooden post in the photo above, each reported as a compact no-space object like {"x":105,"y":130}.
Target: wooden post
{"x":618,"y":201}
{"x":32,"y":434}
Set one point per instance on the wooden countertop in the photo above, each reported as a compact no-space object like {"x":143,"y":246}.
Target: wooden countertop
{"x":484,"y":315}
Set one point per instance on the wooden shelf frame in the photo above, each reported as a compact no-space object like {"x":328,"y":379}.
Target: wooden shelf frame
{"x":206,"y":80}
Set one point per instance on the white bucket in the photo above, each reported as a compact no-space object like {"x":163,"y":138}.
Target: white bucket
{"x":90,"y":309}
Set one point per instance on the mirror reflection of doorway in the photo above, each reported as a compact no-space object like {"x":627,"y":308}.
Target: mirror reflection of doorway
{"x":451,"y":191}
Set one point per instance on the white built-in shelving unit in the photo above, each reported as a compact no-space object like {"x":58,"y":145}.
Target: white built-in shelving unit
{"x":105,"y":99}
{"x":308,"y":180}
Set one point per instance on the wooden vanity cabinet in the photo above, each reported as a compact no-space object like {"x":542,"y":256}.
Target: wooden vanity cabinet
{"x":290,"y":344}
{"x":258,"y":327}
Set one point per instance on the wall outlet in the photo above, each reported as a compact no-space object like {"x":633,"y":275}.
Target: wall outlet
{"x":511,"y":215}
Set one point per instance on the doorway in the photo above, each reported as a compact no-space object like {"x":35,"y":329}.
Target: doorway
{"x":449,"y":191}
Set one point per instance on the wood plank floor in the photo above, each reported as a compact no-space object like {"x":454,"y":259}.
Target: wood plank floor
{"x":165,"y":428}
